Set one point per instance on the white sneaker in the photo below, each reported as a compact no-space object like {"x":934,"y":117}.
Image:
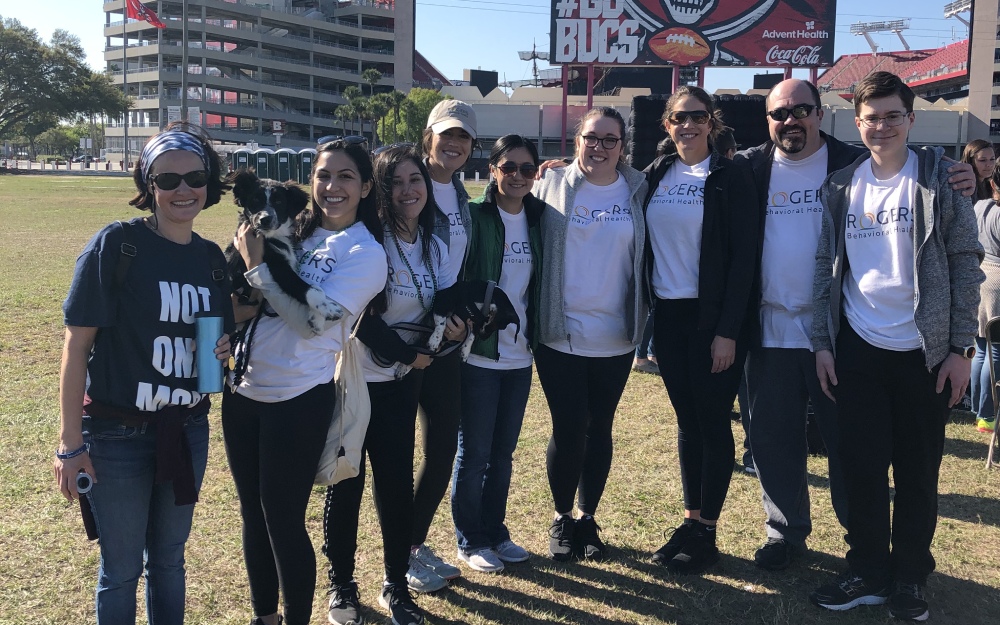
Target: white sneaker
{"x":430,"y":560}
{"x":509,"y":551}
{"x":421,"y":579}
{"x":483,"y":560}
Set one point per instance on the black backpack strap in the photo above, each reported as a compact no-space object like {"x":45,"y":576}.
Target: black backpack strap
{"x":218,"y":262}
{"x":128,"y":252}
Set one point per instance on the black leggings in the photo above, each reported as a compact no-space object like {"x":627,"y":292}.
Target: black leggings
{"x":702,"y":400}
{"x":389,"y":447}
{"x":440,"y":414}
{"x":583,"y":393}
{"x":273,"y":451}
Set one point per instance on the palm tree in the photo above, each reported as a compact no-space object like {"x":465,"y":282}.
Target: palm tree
{"x":396,"y":99}
{"x":378,"y":107}
{"x":371,"y":76}
{"x":356,"y":100}
{"x":343,"y":113}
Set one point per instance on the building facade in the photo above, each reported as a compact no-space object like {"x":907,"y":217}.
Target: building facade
{"x":984,"y":69}
{"x":253,"y":62}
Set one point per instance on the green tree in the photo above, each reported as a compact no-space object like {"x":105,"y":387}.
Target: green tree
{"x":345,"y":112}
{"x":395,"y":99}
{"x":61,"y":140}
{"x":414,"y":111}
{"x":371,"y":76}
{"x":378,"y":107}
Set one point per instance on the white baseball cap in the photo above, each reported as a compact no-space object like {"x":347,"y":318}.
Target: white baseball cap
{"x":452,"y":114}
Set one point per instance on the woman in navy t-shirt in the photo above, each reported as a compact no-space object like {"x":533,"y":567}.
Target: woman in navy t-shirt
{"x":141,"y":427}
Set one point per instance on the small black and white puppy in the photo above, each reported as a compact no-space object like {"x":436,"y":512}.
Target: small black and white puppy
{"x":466,"y":299}
{"x":270,"y":207}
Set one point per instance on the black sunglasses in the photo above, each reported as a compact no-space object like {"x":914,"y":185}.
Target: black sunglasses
{"x":698,"y":117}
{"x":799,"y":111}
{"x":169,"y":182}
{"x":528,"y":170}
{"x":379,"y":150}
{"x":350,"y":140}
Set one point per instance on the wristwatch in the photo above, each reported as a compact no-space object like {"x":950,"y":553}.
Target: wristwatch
{"x":964,"y":352}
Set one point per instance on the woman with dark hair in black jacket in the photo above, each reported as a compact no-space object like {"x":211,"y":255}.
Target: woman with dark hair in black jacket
{"x":702,"y":246}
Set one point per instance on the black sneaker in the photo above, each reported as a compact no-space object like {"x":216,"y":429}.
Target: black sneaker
{"x":907,"y":602}
{"x":397,"y":600}
{"x":776,"y":554}
{"x":345,"y":605}
{"x":849,"y":592}
{"x":697,"y":554}
{"x":678,"y":536}
{"x":586,"y":541}
{"x":561,"y":538}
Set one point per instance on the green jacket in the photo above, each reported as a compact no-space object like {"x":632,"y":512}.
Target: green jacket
{"x":484,"y":259}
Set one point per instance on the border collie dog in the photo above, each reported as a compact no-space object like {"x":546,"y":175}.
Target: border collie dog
{"x":270,"y":207}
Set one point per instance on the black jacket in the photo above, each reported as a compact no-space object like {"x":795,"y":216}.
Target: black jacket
{"x":760,"y":159}
{"x":727,"y":265}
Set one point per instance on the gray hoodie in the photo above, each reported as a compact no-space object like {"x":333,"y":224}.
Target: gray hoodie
{"x":558,"y":190}
{"x":946,"y":258}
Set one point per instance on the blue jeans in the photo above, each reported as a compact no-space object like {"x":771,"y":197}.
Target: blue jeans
{"x":979,"y":383}
{"x":493,"y":402}
{"x":139,"y":525}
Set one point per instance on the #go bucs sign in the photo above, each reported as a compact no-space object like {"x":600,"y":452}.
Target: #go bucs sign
{"x":780,"y":33}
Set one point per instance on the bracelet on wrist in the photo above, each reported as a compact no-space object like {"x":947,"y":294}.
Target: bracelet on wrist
{"x":73,"y":454}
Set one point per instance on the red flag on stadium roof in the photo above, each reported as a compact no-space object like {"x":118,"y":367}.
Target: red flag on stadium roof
{"x":138,"y":11}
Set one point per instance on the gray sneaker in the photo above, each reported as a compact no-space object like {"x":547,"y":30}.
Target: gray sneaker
{"x":430,"y":560}
{"x":421,"y":579}
{"x":345,"y":605}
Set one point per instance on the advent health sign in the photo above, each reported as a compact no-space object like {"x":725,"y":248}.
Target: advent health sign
{"x":774,"y":33}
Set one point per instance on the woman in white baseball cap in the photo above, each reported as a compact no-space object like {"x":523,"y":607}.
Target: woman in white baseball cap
{"x":448,"y":142}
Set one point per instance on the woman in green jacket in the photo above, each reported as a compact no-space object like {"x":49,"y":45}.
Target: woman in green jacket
{"x":504,"y":246}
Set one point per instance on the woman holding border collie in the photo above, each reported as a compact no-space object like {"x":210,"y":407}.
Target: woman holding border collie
{"x":447,"y":143}
{"x":701,"y":267}
{"x":138,"y":426}
{"x":275,"y":420}
{"x":418,"y":268}
{"x":504,"y":246}
{"x":592,"y":283}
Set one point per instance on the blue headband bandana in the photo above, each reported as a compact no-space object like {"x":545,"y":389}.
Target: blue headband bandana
{"x":167,"y":141}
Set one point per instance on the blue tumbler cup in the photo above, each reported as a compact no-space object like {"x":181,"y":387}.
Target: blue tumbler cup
{"x":207,"y":331}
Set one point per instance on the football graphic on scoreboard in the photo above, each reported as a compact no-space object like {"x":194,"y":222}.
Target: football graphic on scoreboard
{"x":679,"y":45}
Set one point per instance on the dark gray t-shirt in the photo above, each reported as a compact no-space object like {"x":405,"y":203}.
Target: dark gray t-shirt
{"x":143,"y":356}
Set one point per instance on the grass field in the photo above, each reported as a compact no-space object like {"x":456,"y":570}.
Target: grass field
{"x":48,"y":567}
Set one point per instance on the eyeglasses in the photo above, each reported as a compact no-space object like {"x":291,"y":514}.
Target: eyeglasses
{"x":169,"y":181}
{"x":799,"y":111}
{"x":528,"y":170}
{"x":405,"y":144}
{"x":892,"y":119}
{"x":698,"y":117}
{"x":609,"y":143}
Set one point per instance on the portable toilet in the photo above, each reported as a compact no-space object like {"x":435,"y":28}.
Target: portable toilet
{"x":241,"y":159}
{"x":288,"y":164}
{"x":266,"y":162}
{"x":307,"y":156}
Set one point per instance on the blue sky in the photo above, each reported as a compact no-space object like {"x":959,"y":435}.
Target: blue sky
{"x":458,"y":34}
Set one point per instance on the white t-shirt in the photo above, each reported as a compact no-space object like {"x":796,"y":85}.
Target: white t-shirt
{"x":674,"y":218}
{"x":791,"y":232}
{"x":446,"y":197}
{"x":405,"y":305}
{"x":349,"y":265}
{"x":600,"y":248}
{"x":515,"y":274}
{"x":878,"y":288}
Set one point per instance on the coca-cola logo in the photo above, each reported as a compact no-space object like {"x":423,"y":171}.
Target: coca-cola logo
{"x":803,"y":55}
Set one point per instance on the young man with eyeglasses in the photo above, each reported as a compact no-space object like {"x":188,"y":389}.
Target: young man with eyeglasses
{"x":781,"y":373}
{"x":896,"y":292}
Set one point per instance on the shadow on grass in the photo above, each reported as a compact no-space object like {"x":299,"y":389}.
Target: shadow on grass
{"x":968,"y":450}
{"x":969,"y":508}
